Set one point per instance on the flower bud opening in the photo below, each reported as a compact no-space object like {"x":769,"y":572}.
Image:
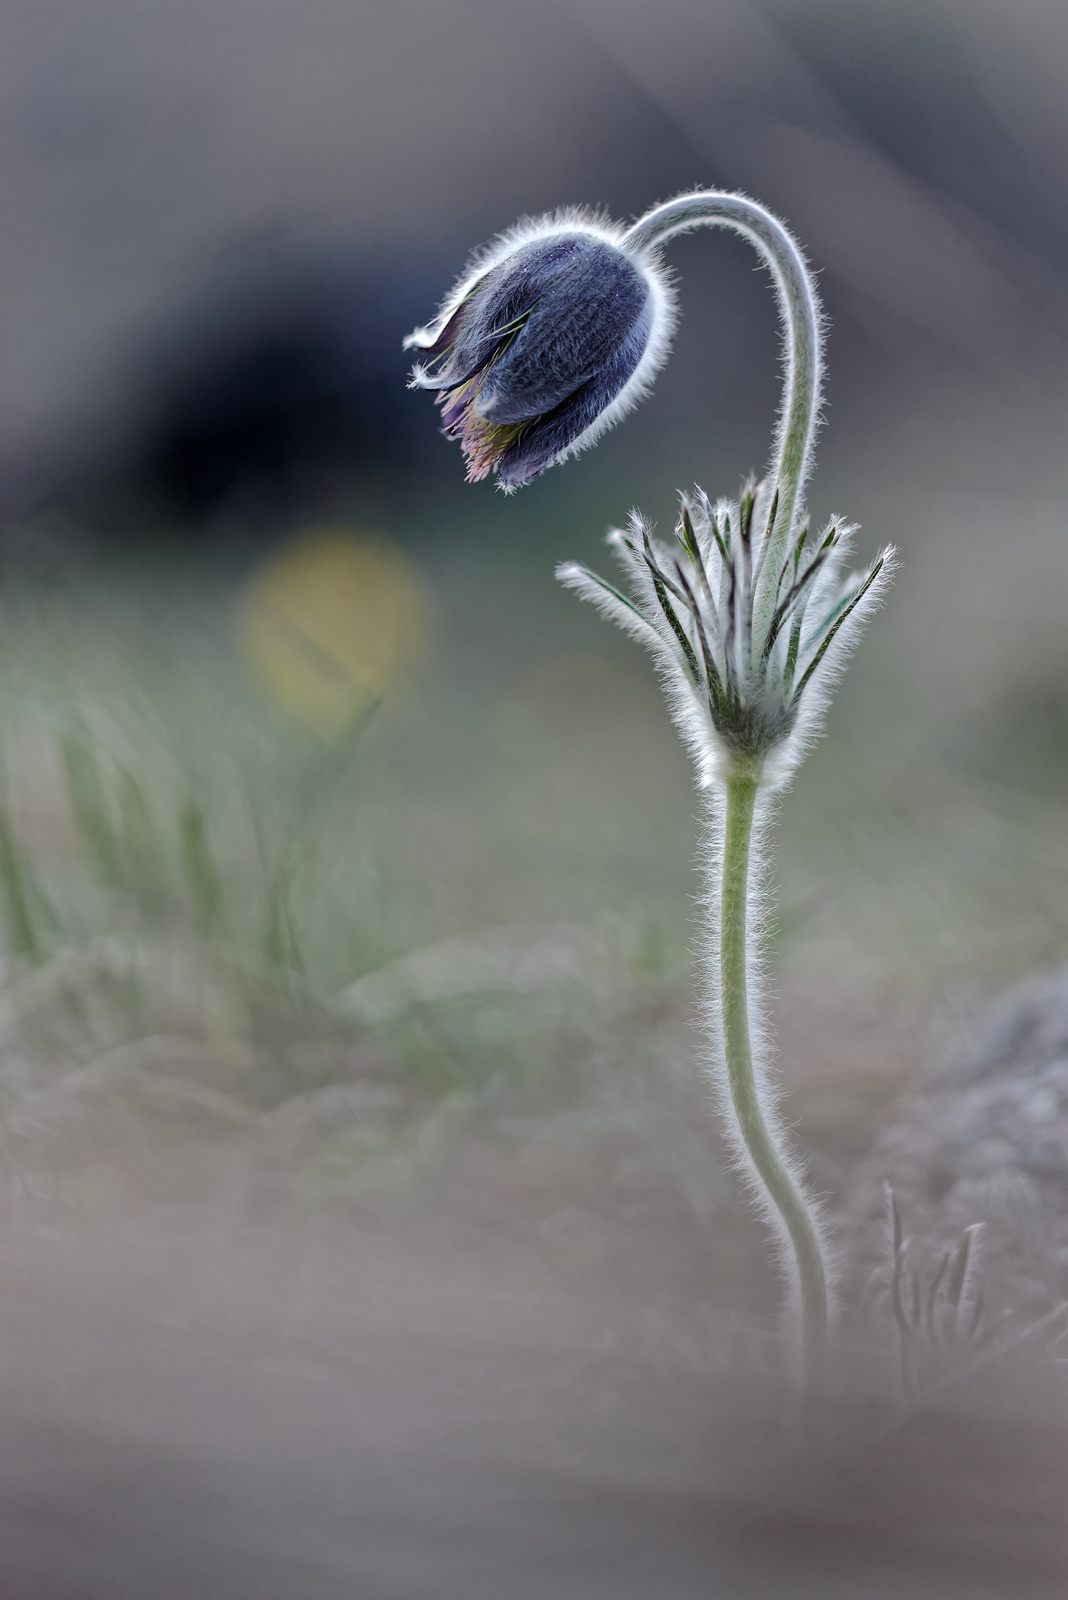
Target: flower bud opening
{"x":555,"y":333}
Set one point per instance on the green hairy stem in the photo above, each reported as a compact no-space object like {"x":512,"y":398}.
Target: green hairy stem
{"x":802,"y":374}
{"x":782,"y":1190}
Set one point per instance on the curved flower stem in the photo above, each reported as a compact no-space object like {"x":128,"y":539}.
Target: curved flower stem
{"x":803,"y":353}
{"x":782,"y":1190}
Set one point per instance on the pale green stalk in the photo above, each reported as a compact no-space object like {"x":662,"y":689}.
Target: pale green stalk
{"x":742,"y":786}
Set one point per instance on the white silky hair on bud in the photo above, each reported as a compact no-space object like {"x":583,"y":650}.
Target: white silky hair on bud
{"x":533,"y":230}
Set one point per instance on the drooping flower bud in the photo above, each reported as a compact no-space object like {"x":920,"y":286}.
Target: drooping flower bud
{"x":551,"y":337}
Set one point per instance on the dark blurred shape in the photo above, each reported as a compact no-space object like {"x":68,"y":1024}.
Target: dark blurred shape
{"x":255,"y":417}
{"x":278,"y":411}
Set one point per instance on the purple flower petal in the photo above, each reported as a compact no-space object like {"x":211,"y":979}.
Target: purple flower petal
{"x":540,"y":345}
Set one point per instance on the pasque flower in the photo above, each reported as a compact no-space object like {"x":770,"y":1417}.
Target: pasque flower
{"x":551,"y":336}
{"x":553,"y":333}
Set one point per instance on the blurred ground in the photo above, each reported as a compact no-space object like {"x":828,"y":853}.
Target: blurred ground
{"x":197,"y":1404}
{"x":365,"y":1222}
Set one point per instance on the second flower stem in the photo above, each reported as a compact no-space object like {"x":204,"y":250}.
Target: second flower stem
{"x":781,"y":1187}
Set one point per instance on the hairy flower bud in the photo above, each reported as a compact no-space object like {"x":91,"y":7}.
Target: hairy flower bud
{"x":553,"y":334}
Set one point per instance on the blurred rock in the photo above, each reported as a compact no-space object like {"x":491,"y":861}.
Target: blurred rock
{"x":984,"y":1141}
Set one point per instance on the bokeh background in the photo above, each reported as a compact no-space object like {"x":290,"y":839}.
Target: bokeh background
{"x":346,"y":863}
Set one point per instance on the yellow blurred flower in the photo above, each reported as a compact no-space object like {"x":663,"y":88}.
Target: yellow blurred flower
{"x":332,"y":622}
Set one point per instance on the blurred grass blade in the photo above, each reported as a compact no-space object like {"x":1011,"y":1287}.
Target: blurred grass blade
{"x":89,"y":802}
{"x":142,"y":848}
{"x":14,"y":899}
{"x":959,"y":1273}
{"x":281,"y":942}
{"x":326,"y":772}
{"x":201,"y":874}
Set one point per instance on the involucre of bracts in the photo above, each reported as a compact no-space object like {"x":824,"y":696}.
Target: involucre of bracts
{"x":739,"y":691}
